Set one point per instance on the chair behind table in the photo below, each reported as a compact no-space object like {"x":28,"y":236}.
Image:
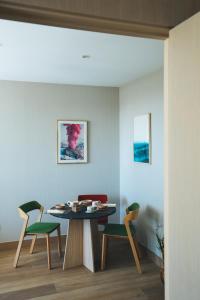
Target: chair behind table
{"x":102,"y":198}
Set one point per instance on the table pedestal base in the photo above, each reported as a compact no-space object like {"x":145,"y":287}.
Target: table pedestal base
{"x":82,"y":245}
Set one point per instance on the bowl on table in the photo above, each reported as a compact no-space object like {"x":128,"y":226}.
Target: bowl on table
{"x":86,"y":202}
{"x":101,"y":206}
{"x":60,"y":206}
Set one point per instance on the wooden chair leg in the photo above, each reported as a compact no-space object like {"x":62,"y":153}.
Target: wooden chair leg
{"x":137,"y":248}
{"x":18,"y":251}
{"x":104,"y":250}
{"x":48,"y":251}
{"x":33,"y":244}
{"x":59,"y":242}
{"x":135,"y":255}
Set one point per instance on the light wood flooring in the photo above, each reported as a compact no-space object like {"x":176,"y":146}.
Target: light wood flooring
{"x":120,"y":280}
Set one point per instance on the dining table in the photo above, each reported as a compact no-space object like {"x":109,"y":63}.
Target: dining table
{"x":82,"y":245}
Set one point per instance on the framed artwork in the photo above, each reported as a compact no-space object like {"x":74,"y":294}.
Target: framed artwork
{"x":72,"y":142}
{"x":142,"y":139}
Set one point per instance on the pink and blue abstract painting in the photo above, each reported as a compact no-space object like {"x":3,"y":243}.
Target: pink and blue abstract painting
{"x":72,"y":142}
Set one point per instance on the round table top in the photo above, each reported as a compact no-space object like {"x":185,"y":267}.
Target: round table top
{"x":83,"y":215}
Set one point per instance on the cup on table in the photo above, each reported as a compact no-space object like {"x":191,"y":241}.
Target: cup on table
{"x":96,"y":203}
{"x":91,"y":209}
{"x":60,"y":206}
{"x":72,"y":203}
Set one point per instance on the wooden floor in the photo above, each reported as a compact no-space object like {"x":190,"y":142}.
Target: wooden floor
{"x":120,"y":280}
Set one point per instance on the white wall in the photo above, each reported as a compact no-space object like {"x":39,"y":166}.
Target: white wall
{"x":28,"y":136}
{"x":143,"y":183}
{"x":182,"y":173}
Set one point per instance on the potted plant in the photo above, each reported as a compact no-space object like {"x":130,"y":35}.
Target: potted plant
{"x":160,"y":240}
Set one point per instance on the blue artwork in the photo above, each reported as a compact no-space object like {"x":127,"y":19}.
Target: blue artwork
{"x":141,"y":145}
{"x":141,"y":152}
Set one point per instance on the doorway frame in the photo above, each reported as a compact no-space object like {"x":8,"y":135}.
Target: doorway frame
{"x":52,"y":17}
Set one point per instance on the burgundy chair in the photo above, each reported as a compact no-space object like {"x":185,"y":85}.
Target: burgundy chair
{"x":102,"y":198}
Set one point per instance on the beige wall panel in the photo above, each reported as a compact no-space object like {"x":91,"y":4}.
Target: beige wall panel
{"x":182,"y":173}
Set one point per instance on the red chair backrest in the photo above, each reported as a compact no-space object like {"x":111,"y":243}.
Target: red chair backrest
{"x":102,"y":198}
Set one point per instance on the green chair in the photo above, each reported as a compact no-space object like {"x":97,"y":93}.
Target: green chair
{"x":123,"y":231}
{"x":38,"y":228}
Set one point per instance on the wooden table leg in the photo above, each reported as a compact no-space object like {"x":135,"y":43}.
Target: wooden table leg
{"x":73,"y":256}
{"x":88,"y":253}
{"x":91,"y":245}
{"x":82,"y":245}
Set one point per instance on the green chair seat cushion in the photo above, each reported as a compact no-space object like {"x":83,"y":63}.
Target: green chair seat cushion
{"x":40,"y":227}
{"x":118,"y":229}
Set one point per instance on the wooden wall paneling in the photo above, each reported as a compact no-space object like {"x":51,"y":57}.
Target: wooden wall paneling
{"x":94,"y":15}
{"x":181,"y":10}
{"x":128,"y":17}
{"x":154,"y":12}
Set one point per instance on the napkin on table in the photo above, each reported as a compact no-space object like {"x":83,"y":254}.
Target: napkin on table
{"x":110,"y":204}
{"x":55,"y":211}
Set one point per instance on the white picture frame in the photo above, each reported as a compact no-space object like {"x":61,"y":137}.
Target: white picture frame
{"x":142,"y":139}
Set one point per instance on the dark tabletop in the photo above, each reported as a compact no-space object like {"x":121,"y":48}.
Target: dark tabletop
{"x":69,"y":214}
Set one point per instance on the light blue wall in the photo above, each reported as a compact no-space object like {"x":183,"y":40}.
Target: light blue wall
{"x":28,"y":116}
{"x":143,"y":182}
{"x":28,"y":137}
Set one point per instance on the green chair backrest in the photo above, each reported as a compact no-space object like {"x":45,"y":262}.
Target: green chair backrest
{"x":29,"y":206}
{"x":133,"y":206}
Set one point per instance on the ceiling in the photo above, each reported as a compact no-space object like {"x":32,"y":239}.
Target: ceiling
{"x":38,"y":53}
